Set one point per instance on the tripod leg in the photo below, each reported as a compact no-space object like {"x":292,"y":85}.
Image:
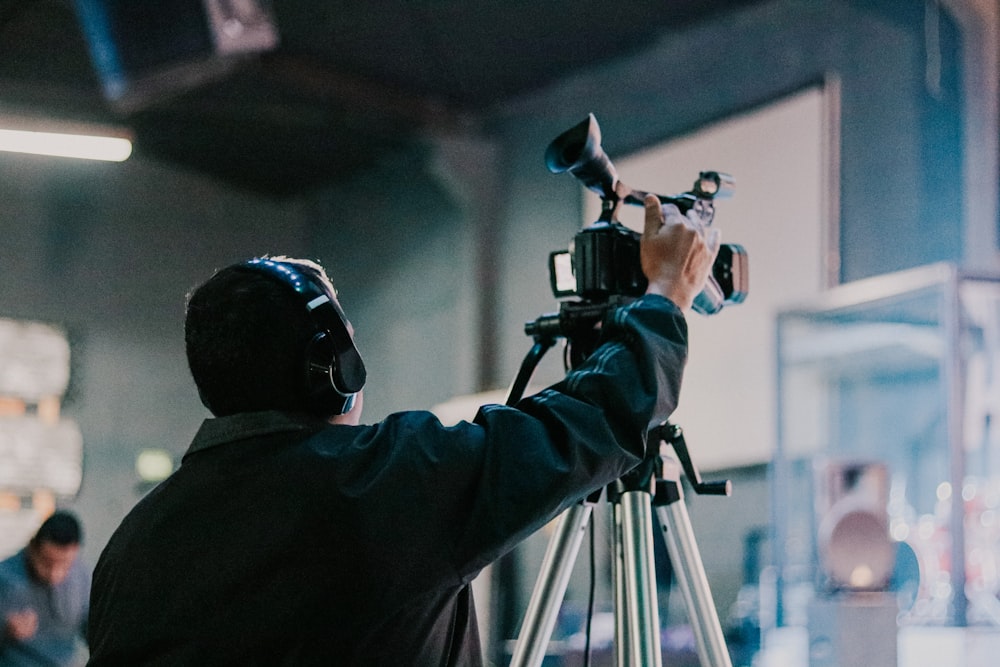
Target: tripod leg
{"x":639,"y":641}
{"x":690,"y":575}
{"x":622,"y":655}
{"x":550,"y":587}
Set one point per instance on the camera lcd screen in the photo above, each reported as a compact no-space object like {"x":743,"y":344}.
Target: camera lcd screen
{"x":561,"y":273}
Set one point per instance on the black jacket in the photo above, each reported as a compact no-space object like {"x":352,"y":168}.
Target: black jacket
{"x":282,"y":540}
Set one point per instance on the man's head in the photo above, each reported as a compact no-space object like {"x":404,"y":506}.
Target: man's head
{"x":249,"y":338}
{"x":53,"y":549}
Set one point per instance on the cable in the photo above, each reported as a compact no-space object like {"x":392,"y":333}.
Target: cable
{"x":590,"y":599}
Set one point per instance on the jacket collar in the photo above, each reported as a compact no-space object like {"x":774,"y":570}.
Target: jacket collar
{"x":224,"y":430}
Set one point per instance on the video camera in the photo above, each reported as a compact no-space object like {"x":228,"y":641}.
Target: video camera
{"x":603,"y":263}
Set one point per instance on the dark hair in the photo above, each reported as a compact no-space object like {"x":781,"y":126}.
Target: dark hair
{"x":246,"y":335}
{"x":60,"y":528}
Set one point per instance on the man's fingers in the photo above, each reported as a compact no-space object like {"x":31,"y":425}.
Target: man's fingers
{"x":654,"y":215}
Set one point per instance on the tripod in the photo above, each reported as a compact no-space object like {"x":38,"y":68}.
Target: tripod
{"x":655,"y":483}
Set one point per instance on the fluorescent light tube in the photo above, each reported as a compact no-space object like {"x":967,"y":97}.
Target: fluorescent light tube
{"x":87,"y":147}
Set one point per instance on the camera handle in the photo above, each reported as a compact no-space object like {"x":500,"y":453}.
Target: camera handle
{"x":654,"y":483}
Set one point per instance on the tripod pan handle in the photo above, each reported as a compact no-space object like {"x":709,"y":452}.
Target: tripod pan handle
{"x":719,"y":488}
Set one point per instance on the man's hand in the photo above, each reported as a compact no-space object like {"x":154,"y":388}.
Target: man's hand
{"x":674,"y":257}
{"x":21,"y":625}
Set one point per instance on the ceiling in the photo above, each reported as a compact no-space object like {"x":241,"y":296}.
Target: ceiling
{"x":347,"y":83}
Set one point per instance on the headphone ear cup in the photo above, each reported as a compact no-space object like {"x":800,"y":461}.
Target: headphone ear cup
{"x":321,"y":391}
{"x":319,"y":364}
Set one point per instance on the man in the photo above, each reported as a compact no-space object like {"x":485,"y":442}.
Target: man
{"x":44,"y":597}
{"x":293,"y":535}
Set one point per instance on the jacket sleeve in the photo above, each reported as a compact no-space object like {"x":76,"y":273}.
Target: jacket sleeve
{"x":634,"y":377}
{"x":561,"y":444}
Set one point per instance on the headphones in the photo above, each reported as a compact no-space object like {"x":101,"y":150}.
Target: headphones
{"x":334,"y":372}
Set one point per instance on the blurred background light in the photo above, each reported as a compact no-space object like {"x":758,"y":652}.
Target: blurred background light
{"x":154,"y":465}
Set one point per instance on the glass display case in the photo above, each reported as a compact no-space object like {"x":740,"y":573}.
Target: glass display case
{"x":887,"y":389}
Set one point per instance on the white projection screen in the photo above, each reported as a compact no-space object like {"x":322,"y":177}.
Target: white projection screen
{"x":783,"y":158}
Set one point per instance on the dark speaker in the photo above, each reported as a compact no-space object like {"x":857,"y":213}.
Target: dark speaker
{"x":146,"y":51}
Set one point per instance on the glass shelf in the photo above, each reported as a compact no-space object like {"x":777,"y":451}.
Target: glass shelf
{"x":901,"y":374}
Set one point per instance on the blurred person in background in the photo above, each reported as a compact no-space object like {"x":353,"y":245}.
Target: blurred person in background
{"x":44,"y":598}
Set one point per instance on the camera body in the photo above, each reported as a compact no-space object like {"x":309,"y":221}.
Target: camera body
{"x":603,"y":260}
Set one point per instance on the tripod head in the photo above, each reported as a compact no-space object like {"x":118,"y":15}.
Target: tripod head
{"x":656,"y":476}
{"x":577,"y":322}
